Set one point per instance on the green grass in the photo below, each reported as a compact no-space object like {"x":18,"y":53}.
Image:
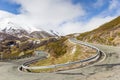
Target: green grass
{"x":56,"y":49}
{"x":67,"y":57}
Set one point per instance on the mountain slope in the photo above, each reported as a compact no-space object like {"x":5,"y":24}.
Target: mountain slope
{"x":108,"y":34}
{"x":20,"y":31}
{"x":40,"y":34}
{"x":4,"y":36}
{"x":14,"y":30}
{"x":19,"y":41}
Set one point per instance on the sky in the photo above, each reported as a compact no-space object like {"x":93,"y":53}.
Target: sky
{"x":63,"y":16}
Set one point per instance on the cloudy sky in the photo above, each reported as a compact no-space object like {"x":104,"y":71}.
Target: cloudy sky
{"x":63,"y":16}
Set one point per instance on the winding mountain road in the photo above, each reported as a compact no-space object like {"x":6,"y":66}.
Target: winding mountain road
{"x":99,"y":54}
{"x":108,"y":69}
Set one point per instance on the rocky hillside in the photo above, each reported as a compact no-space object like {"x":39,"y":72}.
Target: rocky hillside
{"x":17,"y":41}
{"x":108,"y":34}
{"x":4,"y":36}
{"x":40,"y":34}
{"x":14,"y":48}
{"x":18,"y":30}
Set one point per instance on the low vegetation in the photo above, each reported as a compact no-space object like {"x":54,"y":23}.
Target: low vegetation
{"x":61,"y":52}
{"x":12,"y":49}
{"x":108,"y":34}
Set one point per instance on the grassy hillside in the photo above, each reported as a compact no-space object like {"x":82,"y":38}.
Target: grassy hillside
{"x":62,"y":51}
{"x":108,"y":34}
{"x":12,"y":49}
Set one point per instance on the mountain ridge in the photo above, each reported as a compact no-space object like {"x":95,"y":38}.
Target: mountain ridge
{"x":11,"y":28}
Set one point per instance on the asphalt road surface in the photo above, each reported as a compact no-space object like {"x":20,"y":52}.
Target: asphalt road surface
{"x":109,"y":69}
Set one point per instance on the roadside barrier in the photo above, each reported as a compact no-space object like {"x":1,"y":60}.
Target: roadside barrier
{"x":90,"y":59}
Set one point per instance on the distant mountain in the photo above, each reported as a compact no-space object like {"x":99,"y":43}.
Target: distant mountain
{"x":19,"y":31}
{"x":4,"y":36}
{"x":108,"y":33}
{"x":12,"y":29}
{"x":17,"y":40}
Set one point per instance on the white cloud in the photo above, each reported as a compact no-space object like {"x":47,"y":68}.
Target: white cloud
{"x":97,"y":21}
{"x":48,"y":13}
{"x":70,"y":27}
{"x":98,"y":3}
{"x":4,"y":14}
{"x":114,"y":7}
{"x":79,"y":27}
{"x":114,"y":4}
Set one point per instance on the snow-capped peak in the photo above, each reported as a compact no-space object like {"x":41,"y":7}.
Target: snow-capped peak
{"x":7,"y":25}
{"x":20,"y":30}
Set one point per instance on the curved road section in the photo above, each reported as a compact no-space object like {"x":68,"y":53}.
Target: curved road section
{"x":72,"y":40}
{"x":107,"y":69}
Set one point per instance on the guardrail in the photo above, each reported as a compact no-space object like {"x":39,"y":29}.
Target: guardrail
{"x":93,"y":58}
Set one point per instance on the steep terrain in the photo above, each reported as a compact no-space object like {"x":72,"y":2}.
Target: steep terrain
{"x":11,"y":28}
{"x":40,"y":34}
{"x":108,"y":34}
{"x":17,"y":41}
{"x":63,"y":51}
{"x":11,"y":49}
{"x":4,"y":36}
